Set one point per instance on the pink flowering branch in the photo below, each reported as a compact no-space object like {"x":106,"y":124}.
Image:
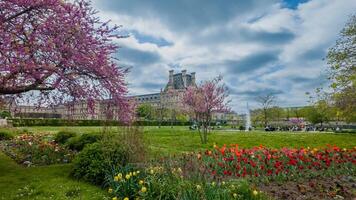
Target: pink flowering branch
{"x":60,"y":49}
{"x":203,"y":100}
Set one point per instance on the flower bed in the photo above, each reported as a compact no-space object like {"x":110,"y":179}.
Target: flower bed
{"x":29,"y":149}
{"x":159,"y":182}
{"x":261,"y":163}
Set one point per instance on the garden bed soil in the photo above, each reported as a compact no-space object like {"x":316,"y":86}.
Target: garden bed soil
{"x":338,"y":187}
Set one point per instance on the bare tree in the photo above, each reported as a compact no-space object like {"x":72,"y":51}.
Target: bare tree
{"x":266,"y":102}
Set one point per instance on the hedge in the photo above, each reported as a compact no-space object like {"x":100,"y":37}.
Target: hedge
{"x":18,"y":122}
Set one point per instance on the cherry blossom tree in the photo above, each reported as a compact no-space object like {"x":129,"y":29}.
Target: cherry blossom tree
{"x":203,"y":100}
{"x":58,"y":51}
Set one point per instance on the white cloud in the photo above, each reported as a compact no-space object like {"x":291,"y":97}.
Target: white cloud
{"x":298,"y":38}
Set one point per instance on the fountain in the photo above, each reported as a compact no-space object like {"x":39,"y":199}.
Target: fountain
{"x":248,"y":119}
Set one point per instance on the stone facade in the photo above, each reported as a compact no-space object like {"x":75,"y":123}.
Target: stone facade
{"x":170,"y":96}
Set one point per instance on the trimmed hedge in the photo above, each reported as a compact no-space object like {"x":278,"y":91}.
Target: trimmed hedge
{"x":19,"y":122}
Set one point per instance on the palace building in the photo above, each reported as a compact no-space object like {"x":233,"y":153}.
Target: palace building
{"x":170,"y":96}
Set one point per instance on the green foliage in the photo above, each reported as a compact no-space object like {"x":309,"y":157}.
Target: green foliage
{"x":145,"y":111}
{"x":96,"y":159}
{"x":62,"y":136}
{"x":28,"y":122}
{"x":79,"y":142}
{"x":18,"y":122}
{"x":169,"y":183}
{"x":341,"y":59}
{"x":5,"y":114}
{"x":5,"y":135}
{"x":320,"y":112}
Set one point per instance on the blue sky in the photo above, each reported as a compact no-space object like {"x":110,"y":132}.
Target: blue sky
{"x":258,"y":46}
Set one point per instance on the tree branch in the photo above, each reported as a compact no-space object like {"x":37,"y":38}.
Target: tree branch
{"x":19,"y":14}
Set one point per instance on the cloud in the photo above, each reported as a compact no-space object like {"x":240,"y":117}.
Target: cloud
{"x":251,"y":62}
{"x":137,"y":56}
{"x":260,"y":47}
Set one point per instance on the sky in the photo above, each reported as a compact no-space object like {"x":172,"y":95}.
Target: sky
{"x":258,"y":46}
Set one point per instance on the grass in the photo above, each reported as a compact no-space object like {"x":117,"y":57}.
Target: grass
{"x":168,"y":141}
{"x":45,"y":182}
{"x":53,"y":182}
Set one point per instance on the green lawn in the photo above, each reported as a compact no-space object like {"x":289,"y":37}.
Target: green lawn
{"x":54,"y":182}
{"x":46,"y":182}
{"x":167,"y":140}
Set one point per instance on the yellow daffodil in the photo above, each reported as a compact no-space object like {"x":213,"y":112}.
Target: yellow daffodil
{"x":179,"y":170}
{"x":255,"y":192}
{"x":213,"y":183}
{"x":119,"y":175}
{"x":215,"y":146}
{"x":127,"y":176}
{"x":140,"y":182}
{"x":151,"y":171}
{"x":223,"y":183}
{"x":137,"y":172}
{"x":134,"y":174}
{"x":143,"y":189}
{"x":116,"y":178}
{"x":110,"y":190}
{"x":126,"y":198}
{"x":130,"y":173}
{"x":232,"y":186}
{"x":234,"y":195}
{"x":114,"y":198}
{"x":198,"y":187}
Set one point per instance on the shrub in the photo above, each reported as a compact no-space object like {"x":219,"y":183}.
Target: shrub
{"x":79,"y":142}
{"x":96,"y":159}
{"x":62,"y":136}
{"x":5,"y":135}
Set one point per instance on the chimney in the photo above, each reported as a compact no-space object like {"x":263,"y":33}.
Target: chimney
{"x":193,"y":77}
{"x":184,"y":77}
{"x":171,"y":77}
